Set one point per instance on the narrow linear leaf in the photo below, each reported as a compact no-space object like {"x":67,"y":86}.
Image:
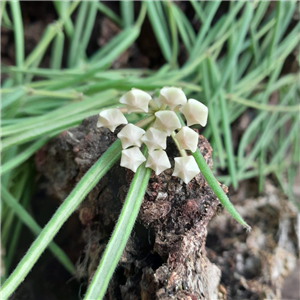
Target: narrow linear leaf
{"x":90,"y":22}
{"x":62,"y":8}
{"x":109,"y":13}
{"x":161,"y":35}
{"x":12,"y":98}
{"x":225,"y":125}
{"x":19,"y":35}
{"x":120,"y":235}
{"x":127,"y":13}
{"x":89,"y":180}
{"x":214,"y":185}
{"x":57,"y":51}
{"x":79,"y":25}
{"x":19,"y":210}
{"x":23,"y":156}
{"x":62,"y":113}
{"x":207,"y":88}
{"x":213,"y":6}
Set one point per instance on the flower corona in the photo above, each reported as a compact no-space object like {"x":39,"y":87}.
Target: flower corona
{"x":163,"y":123}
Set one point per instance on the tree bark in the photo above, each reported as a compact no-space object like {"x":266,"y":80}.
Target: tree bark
{"x":165,"y":255}
{"x":169,"y":254}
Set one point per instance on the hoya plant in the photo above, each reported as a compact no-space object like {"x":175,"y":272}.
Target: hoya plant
{"x":141,"y":148}
{"x":258,"y":38}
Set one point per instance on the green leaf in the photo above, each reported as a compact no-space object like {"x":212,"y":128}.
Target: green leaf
{"x":120,"y":235}
{"x":21,"y":157}
{"x":127,"y":13}
{"x":160,"y":29}
{"x":89,"y":180}
{"x":19,"y":35}
{"x":35,"y":228}
{"x":214,"y":185}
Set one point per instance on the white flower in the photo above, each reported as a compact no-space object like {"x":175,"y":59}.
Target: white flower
{"x":136,"y":100}
{"x":111,"y":119}
{"x":131,"y":135}
{"x":172,"y":97}
{"x":186,"y":168}
{"x":158,"y":161}
{"x":166,"y":121}
{"x":187,"y":138}
{"x":155,"y":139}
{"x":195,"y":112}
{"x":132,"y":158}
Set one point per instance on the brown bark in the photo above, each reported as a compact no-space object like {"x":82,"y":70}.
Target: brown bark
{"x":165,"y":255}
{"x":169,"y":255}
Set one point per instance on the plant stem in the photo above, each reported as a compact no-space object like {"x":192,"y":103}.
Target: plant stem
{"x":145,"y":121}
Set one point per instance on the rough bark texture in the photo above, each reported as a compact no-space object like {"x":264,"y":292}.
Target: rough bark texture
{"x":165,"y":256}
{"x":169,"y":254}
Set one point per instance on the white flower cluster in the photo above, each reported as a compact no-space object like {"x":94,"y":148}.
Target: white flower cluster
{"x":165,"y":123}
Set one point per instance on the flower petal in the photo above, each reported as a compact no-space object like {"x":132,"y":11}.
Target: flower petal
{"x":195,"y":112}
{"x":131,"y":135}
{"x":187,"y":139}
{"x":166,"y":121}
{"x":158,"y":161}
{"x":172,"y":97}
{"x":136,"y":100}
{"x":132,"y":158}
{"x":186,"y":168}
{"x":155,"y":139}
{"x":111,"y":119}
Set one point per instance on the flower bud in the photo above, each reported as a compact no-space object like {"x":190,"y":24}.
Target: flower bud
{"x":111,"y":119}
{"x":195,"y":112}
{"x":132,"y":158}
{"x":155,"y":139}
{"x":136,"y":100}
{"x":187,"y":139}
{"x":166,"y":121}
{"x":172,"y":97}
{"x":131,"y":135}
{"x":186,"y":168}
{"x":158,"y":161}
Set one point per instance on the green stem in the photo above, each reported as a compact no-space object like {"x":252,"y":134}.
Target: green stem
{"x":145,"y":121}
{"x":89,"y":180}
{"x":120,"y":235}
